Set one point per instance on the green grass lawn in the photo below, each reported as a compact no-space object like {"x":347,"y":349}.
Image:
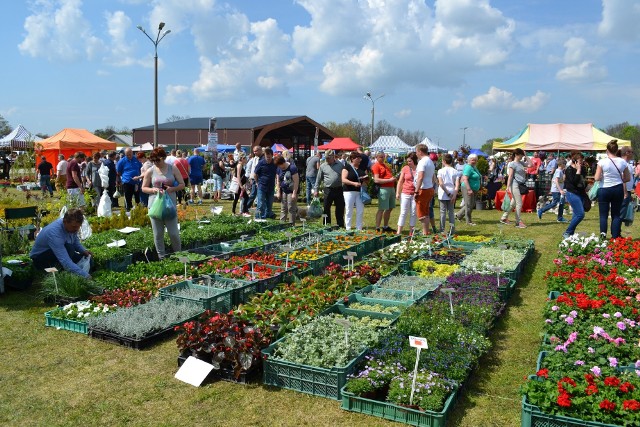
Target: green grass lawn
{"x":50,"y":377}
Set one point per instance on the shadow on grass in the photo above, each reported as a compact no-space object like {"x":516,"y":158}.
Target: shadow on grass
{"x":15,"y":300}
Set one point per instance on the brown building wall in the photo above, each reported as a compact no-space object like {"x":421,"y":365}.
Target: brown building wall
{"x":195,"y":137}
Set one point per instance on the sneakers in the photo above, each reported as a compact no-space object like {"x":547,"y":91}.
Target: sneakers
{"x":521,"y":225}
{"x":200,"y":201}
{"x":562,"y":220}
{"x":505,"y":221}
{"x":539,"y":213}
{"x":566,"y":235}
{"x":190,"y":201}
{"x":471,"y":223}
{"x":388,"y":229}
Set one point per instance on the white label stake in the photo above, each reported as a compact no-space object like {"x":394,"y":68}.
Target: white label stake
{"x":185,"y":261}
{"x":53,"y":270}
{"x":419,"y":343}
{"x":449,"y":291}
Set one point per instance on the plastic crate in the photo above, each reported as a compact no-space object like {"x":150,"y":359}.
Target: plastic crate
{"x":220,"y":300}
{"x":134,"y":343}
{"x":65,"y":324}
{"x":401,"y":414}
{"x":389,"y":240}
{"x":356,"y":297}
{"x":344,"y":310}
{"x":363,"y":298}
{"x":321,"y":382}
{"x":505,"y":290}
{"x":532,"y":416}
{"x":241,"y":290}
{"x":119,"y":265}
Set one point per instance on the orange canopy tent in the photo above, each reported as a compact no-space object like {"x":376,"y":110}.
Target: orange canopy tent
{"x":68,"y":142}
{"x":340,"y":144}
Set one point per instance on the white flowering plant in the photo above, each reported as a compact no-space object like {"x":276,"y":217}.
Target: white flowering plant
{"x":486,"y":260}
{"x":578,"y":244}
{"x":79,"y":311}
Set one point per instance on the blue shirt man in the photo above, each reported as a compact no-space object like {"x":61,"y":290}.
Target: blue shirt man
{"x":59,"y":242}
{"x":265,"y":173}
{"x":196,"y":162}
{"x":552,"y":164}
{"x":128,"y":167}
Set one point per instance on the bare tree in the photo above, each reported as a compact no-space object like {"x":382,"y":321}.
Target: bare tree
{"x":176,"y":118}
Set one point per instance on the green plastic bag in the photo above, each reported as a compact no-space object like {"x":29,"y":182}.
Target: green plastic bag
{"x":593,"y":192}
{"x":506,"y":203}
{"x":157,"y":207}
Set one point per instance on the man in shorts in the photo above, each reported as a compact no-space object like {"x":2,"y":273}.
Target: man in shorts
{"x":425,"y":179}
{"x":383,"y":176}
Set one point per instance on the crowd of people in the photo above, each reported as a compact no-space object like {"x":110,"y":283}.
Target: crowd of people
{"x":344,"y":179}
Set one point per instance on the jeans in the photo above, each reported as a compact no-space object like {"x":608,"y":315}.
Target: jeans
{"x":610,"y":198}
{"x":575,"y":201}
{"x":45,"y":184}
{"x":248,"y":202}
{"x":447,"y":208}
{"x":625,"y":205}
{"x":311,"y":181}
{"x":351,"y":199}
{"x":334,"y":196}
{"x":289,"y":208}
{"x":515,"y":192}
{"x":407,"y":207}
{"x":469,"y":205}
{"x":557,"y":198}
{"x":264,"y":203}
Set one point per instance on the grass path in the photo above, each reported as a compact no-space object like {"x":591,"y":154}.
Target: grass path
{"x":50,"y":377}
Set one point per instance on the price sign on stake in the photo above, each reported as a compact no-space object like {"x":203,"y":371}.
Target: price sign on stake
{"x":419,"y":343}
{"x":324,"y":219}
{"x":303,"y":221}
{"x":449,"y":291}
{"x":53,"y":270}
{"x":449,"y":235}
{"x":252,"y":263}
{"x":208,"y":281}
{"x":185,"y":261}
{"x":346,"y":325}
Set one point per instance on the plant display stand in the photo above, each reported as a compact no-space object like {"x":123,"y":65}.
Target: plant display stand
{"x":532,"y":416}
{"x":401,"y":414}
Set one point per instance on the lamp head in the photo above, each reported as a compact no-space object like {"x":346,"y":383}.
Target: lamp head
{"x":161,"y":26}
{"x":369,"y":94}
{"x":140,"y":28}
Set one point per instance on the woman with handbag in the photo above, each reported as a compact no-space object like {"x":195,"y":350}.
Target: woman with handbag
{"x":575,"y":191}
{"x":516,"y":185}
{"x":238,"y":182}
{"x":613,"y":172}
{"x":351,"y":188}
{"x":163,"y":179}
{"x":405,"y":192}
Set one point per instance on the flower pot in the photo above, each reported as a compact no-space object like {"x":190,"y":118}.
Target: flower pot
{"x":479,"y":205}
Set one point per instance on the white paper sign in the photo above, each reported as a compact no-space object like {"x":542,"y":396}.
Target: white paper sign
{"x":51,"y":270}
{"x":117,"y":244}
{"x":418,"y":342}
{"x":193,"y":371}
{"x":128,"y":230}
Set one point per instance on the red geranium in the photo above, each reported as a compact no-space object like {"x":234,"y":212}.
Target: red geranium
{"x":607,"y":405}
{"x":631,"y":405}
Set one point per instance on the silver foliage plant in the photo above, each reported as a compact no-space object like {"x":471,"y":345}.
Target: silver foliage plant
{"x":144,"y":319}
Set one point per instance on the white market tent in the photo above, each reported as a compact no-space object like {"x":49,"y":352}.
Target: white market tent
{"x":432,"y":146}
{"x":19,"y":139}
{"x":391,"y":144}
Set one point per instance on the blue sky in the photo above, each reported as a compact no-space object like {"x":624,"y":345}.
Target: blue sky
{"x":490,"y":66}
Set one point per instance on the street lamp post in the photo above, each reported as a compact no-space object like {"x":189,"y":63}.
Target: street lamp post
{"x":155,"y":42}
{"x":464,"y":135}
{"x":373,"y":111}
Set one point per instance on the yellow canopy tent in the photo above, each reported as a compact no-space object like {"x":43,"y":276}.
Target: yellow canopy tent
{"x":559,"y":137}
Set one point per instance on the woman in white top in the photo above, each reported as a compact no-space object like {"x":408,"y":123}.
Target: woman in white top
{"x":447,"y":192}
{"x":613,"y":173}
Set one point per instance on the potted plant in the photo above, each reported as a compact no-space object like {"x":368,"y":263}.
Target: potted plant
{"x":231,"y":345}
{"x":67,"y":287}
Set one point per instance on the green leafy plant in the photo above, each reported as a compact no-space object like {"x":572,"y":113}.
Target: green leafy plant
{"x":68,"y":285}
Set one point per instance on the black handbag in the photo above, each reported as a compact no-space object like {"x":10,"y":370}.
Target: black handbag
{"x":523,"y":188}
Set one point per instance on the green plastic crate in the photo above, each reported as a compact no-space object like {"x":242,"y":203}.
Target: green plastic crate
{"x":119,"y":265}
{"x":417,"y":296}
{"x":401,"y":414}
{"x":356,"y":297}
{"x":341,"y":308}
{"x":241,"y":290}
{"x":220,"y":300}
{"x":66,"y":324}
{"x":505,"y":290}
{"x":532,"y":416}
{"x":321,"y":382}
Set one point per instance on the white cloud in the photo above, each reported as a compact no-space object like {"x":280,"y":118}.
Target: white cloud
{"x":394,"y":43}
{"x":403,"y":113}
{"x":500,"y":100}
{"x":175,"y":94}
{"x":121,"y":51}
{"x":58,"y":31}
{"x":580,"y":61}
{"x":9,"y":112}
{"x":456,"y":105}
{"x":620,"y":20}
